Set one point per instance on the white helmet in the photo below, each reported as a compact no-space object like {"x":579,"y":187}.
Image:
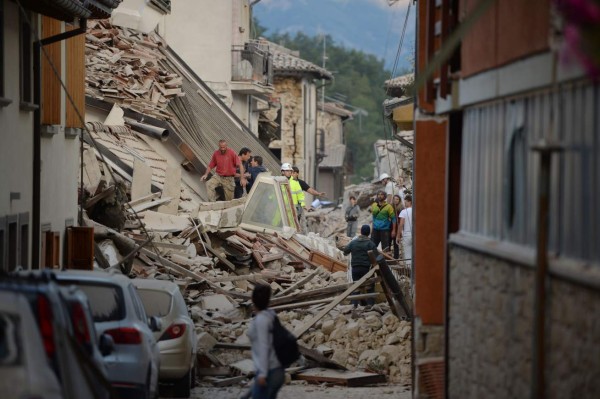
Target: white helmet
{"x":286,"y":166}
{"x":384,"y":176}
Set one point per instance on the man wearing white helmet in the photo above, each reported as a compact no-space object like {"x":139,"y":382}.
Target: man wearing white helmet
{"x":295,"y":188}
{"x":388,"y":185}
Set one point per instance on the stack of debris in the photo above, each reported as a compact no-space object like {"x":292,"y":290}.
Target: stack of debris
{"x":121,"y":65}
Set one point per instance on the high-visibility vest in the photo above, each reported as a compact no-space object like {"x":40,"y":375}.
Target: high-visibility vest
{"x":297,"y":193}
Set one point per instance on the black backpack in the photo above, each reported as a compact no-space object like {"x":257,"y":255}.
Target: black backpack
{"x":284,"y":342}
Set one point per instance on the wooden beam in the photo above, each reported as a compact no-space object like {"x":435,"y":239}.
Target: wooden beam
{"x":318,"y":301}
{"x":221,"y":258}
{"x":213,"y":371}
{"x":300,"y":331}
{"x":144,"y":199}
{"x":289,"y":251}
{"x":149,"y":204}
{"x":299,"y":283}
{"x":346,"y":378}
{"x":185,"y":272}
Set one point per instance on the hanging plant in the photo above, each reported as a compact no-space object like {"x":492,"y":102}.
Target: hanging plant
{"x":582,"y":33}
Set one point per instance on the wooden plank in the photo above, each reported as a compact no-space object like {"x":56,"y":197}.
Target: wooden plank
{"x":96,"y":198}
{"x":225,"y":382}
{"x":329,"y":263}
{"x":270,"y":257}
{"x":172,"y":188}
{"x":213,"y":371}
{"x":185,"y":272}
{"x":221,"y":258}
{"x":287,"y":250}
{"x":51,"y":87}
{"x":149,"y":204}
{"x":144,"y":199}
{"x":317,"y":301}
{"x":340,"y":377}
{"x":91,"y":170}
{"x":308,"y":353}
{"x":142,"y":180}
{"x":304,"y":328}
{"x":299,"y":283}
{"x":312,"y":294}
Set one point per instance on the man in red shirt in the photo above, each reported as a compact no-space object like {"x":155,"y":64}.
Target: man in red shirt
{"x":224,"y":161}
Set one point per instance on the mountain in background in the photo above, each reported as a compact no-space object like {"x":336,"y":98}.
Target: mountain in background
{"x":371,"y":26}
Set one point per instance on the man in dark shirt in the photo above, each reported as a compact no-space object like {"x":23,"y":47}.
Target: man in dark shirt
{"x":244,"y":154}
{"x":359,"y":248}
{"x":304,"y":185}
{"x":256,"y":168}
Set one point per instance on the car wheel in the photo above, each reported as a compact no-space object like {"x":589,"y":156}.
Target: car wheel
{"x":193,"y":379}
{"x":183,"y":386}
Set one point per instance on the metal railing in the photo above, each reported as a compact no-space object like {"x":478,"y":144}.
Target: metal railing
{"x":252,"y":62}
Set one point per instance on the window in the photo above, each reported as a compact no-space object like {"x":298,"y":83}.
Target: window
{"x":26,"y":59}
{"x":2,"y":48}
{"x":2,"y":243}
{"x":156,"y":303}
{"x":13,"y":242}
{"x":106,"y":300}
{"x":163,"y":5}
{"x":24,"y":240}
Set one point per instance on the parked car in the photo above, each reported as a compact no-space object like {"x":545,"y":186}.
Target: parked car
{"x":24,"y":371}
{"x":177,"y":337}
{"x":79,"y":374}
{"x":118,"y":311}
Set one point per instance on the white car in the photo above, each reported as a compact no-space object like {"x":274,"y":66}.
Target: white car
{"x":24,"y":368}
{"x":177,"y":337}
{"x":133,"y":366}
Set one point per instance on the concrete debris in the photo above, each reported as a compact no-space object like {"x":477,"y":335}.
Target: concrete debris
{"x":217,"y":264}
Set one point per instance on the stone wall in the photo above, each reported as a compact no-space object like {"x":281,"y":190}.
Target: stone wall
{"x":490,"y":331}
{"x":289,"y":91}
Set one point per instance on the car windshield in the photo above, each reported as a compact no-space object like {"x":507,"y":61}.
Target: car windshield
{"x":106,"y":300}
{"x":9,"y":340}
{"x":156,"y":303}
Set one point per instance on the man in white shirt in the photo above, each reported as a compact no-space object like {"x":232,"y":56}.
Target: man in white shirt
{"x":404,"y":235}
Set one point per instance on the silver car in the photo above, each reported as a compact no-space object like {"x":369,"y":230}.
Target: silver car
{"x":177,"y":337}
{"x":24,"y":371}
{"x":118,"y":311}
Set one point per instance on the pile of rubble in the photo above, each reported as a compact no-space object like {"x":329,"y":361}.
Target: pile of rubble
{"x":217,"y":263}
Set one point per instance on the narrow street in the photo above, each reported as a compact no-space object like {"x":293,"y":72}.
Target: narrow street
{"x":297,"y":390}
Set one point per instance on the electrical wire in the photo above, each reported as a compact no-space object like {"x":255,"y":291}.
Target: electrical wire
{"x":386,"y":128}
{"x":81,"y":119}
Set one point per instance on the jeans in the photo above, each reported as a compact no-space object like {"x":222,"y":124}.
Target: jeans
{"x":351,"y":230}
{"x":275,"y":380}
{"x":381,"y":236}
{"x":357,"y":274}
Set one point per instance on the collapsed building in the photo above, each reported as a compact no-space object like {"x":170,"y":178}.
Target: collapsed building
{"x":151,"y":127}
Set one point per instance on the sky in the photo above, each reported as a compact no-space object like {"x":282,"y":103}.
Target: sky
{"x":373,"y":26}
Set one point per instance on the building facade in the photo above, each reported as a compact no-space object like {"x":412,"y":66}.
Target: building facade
{"x":39,"y":156}
{"x":512,"y":297}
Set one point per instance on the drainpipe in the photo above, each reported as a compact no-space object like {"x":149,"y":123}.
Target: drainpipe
{"x":545,"y":150}
{"x":37,"y":137}
{"x":295,"y":144}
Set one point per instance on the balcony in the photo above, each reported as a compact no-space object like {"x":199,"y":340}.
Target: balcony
{"x":251,"y":69}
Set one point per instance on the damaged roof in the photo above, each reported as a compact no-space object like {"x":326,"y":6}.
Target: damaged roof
{"x":336,"y":109}
{"x":67,"y":10}
{"x":288,"y":62}
{"x":334,"y":156}
{"x":139,"y":72}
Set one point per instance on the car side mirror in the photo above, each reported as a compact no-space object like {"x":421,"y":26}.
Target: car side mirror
{"x":154,"y":323}
{"x":106,"y":344}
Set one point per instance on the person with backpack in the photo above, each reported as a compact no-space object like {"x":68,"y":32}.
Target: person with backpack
{"x":269,"y":372}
